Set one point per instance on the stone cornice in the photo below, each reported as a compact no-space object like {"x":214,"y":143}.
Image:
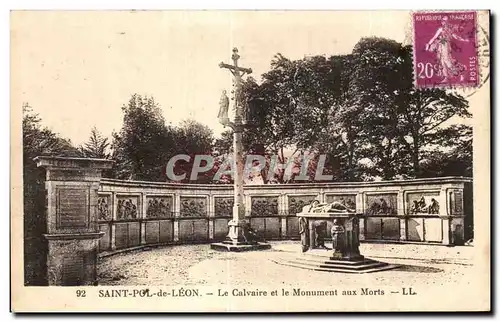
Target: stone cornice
{"x":69,"y":163}
{"x":216,"y":187}
{"x":71,"y":236}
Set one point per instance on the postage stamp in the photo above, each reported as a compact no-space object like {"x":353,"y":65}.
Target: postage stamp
{"x":445,"y":49}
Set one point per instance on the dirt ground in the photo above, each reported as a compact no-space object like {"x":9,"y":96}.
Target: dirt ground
{"x":431,"y":265}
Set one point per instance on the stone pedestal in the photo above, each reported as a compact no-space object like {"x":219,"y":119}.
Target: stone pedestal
{"x":240,"y":238}
{"x":345,"y":255}
{"x":72,"y":230}
{"x":344,"y":232}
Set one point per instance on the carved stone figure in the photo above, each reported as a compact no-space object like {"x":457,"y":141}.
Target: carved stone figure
{"x":224,"y":108}
{"x":319,"y":230}
{"x":380,"y":207}
{"x":317,"y":207}
{"x":421,"y":206}
{"x":434,"y":207}
{"x":102,"y":208}
{"x":308,"y":208}
{"x":126,"y":209}
{"x":304,"y":233}
{"x":338,"y":238}
{"x":251,"y":236}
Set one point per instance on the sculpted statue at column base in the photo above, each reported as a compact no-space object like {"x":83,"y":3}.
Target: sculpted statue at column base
{"x":319,"y":231}
{"x":242,"y":232}
{"x":304,"y":233}
{"x":338,"y":239}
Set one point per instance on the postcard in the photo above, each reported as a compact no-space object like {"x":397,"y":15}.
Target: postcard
{"x":250,"y":161}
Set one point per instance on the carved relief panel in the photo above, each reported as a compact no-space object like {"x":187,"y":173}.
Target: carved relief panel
{"x":193,"y":207}
{"x":348,"y":200}
{"x":159,"y":206}
{"x":264,"y":206}
{"x":422,"y":203}
{"x":296,"y":203}
{"x":127,"y":207}
{"x":382,"y":204}
{"x":104,"y":208}
{"x":224,"y":206}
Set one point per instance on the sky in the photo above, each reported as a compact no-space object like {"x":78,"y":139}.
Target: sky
{"x":77,"y":69}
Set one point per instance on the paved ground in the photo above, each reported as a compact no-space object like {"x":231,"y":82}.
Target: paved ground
{"x":199,"y":265}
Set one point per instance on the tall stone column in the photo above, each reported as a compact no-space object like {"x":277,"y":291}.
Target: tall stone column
{"x":238,"y":225}
{"x":72,"y":229}
{"x":239,"y":237}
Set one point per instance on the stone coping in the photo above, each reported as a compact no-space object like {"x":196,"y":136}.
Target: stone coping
{"x":72,"y":163}
{"x":70,"y":236}
{"x":225,"y":187}
{"x":328,"y":214}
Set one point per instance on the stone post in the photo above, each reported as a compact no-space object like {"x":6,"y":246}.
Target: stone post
{"x":402,"y":212}
{"x":142,"y":216}
{"x":72,"y":229}
{"x":444,"y":213}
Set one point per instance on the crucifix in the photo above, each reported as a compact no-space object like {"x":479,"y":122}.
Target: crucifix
{"x":240,"y":236}
{"x":238,"y":73}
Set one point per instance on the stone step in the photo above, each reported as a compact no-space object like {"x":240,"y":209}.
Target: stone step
{"x":336,"y":269}
{"x":313,"y":259}
{"x":360,"y":267}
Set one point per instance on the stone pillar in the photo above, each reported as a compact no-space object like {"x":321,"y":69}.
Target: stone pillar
{"x":211,"y":217}
{"x":402,"y":215}
{"x":73,"y":234}
{"x":360,"y":210}
{"x":238,"y":226}
{"x":455,"y":223}
{"x":352,"y":237}
{"x":444,"y":213}
{"x":283,"y":212}
{"x":112,"y":229}
{"x":143,"y":214}
{"x":177,"y":214}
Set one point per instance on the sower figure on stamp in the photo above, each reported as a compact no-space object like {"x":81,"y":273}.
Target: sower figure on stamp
{"x":441,"y":43}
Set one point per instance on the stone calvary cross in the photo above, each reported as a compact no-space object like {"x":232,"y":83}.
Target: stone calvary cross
{"x":238,"y":73}
{"x":240,"y":236}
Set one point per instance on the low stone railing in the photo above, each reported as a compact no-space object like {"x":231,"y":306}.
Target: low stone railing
{"x":79,"y":214}
{"x":133,"y":213}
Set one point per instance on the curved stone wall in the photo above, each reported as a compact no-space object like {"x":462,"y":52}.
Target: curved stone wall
{"x":133,"y":213}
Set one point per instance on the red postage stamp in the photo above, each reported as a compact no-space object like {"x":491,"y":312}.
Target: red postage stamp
{"x":445,"y":49}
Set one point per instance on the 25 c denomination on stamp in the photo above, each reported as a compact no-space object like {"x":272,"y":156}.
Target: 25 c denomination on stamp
{"x":445,"y":49}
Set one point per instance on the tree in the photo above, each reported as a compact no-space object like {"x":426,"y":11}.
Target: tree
{"x":290,"y":109}
{"x":195,"y":139}
{"x":424,"y":119}
{"x":361,"y":110}
{"x":96,"y":147}
{"x":402,"y":123}
{"x":457,"y":161}
{"x":37,"y":141}
{"x":145,"y":143}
